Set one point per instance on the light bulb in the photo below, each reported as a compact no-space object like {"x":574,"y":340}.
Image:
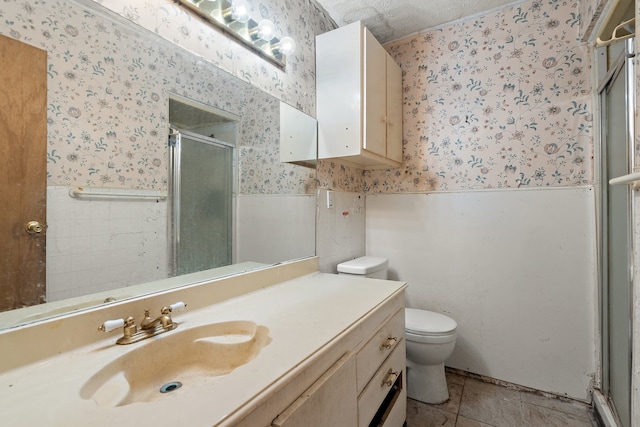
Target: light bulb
{"x":240,"y":12}
{"x":287,"y":46}
{"x":266,"y":30}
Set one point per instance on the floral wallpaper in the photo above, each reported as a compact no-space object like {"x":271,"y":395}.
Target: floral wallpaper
{"x":589,"y":12}
{"x":498,"y":101}
{"x":300,"y":19}
{"x":109,"y":82}
{"x":259,"y":153}
{"x":335,"y":175}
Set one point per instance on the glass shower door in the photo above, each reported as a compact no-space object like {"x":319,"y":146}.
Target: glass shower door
{"x":202,"y":191}
{"x":617,"y":138}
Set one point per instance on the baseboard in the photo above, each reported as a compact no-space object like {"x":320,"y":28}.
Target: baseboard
{"x":513,"y":386}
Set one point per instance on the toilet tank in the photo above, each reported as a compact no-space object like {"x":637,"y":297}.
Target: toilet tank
{"x":367,"y":266}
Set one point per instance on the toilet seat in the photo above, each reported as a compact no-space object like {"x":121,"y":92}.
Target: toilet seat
{"x":428,"y":323}
{"x":431,"y":339}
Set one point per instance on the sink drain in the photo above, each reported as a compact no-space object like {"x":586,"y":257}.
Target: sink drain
{"x":169,"y":387}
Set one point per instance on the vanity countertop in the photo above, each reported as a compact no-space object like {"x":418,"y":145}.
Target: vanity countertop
{"x":303,"y":315}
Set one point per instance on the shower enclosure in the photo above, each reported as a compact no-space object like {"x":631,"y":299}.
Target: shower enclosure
{"x":201,"y":189}
{"x":617,"y":99}
{"x":201,"y":198}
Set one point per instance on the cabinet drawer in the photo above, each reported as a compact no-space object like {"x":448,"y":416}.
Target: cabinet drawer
{"x":376,"y":350}
{"x":375,"y":392}
{"x":398,"y":413}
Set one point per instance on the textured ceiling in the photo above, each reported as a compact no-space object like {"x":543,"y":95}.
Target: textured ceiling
{"x":394,"y":19}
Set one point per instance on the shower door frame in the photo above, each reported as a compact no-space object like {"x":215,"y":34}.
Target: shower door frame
{"x":622,"y":64}
{"x":174,"y":190}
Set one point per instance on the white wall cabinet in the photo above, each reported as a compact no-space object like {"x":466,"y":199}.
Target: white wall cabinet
{"x":298,"y":136}
{"x":359,"y":99}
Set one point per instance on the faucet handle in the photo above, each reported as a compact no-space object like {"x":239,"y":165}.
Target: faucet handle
{"x":176,"y":306}
{"x":110,"y":325}
{"x":128,"y":325}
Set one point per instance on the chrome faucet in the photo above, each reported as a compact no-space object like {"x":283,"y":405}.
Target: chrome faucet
{"x":148,"y":327}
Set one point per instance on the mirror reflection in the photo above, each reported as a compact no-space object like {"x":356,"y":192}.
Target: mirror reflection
{"x":201,"y":177}
{"x":298,"y":137}
{"x":114,"y":112}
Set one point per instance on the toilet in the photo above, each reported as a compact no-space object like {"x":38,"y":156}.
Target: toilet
{"x":430,"y":338}
{"x":367,"y":266}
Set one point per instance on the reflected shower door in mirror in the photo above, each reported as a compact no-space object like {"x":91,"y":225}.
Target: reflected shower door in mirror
{"x":201,"y":196}
{"x":107,"y":162}
{"x":202,"y":146}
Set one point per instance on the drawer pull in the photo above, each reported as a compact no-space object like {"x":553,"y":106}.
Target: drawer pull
{"x":388,"y":343}
{"x":390,"y":378}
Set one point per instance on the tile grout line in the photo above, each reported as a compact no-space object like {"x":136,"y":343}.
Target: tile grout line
{"x":464,"y":381}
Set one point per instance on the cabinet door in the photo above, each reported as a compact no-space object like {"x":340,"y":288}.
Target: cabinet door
{"x":338,"y":91}
{"x":375,"y":94}
{"x":331,"y":401}
{"x":298,"y":136}
{"x":394,"y":110}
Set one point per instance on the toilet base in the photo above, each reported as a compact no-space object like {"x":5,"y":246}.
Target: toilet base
{"x":427,"y":383}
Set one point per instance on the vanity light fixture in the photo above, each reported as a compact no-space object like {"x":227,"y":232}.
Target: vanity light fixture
{"x":232,"y":17}
{"x":239,"y":12}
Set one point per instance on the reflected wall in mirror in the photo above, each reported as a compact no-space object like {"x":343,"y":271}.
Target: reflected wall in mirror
{"x":109,"y":85}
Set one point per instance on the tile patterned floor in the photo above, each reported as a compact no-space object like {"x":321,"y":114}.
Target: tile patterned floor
{"x":474,"y":403}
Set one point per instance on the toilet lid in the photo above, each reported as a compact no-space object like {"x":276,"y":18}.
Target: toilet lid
{"x":423,"y":322}
{"x":363,"y":265}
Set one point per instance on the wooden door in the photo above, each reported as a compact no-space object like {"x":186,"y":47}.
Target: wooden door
{"x":23,"y":166}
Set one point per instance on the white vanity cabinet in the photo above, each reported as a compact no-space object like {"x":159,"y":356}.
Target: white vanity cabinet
{"x":358,"y":99}
{"x":329,"y":402}
{"x":364,"y":387}
{"x":381,"y":373}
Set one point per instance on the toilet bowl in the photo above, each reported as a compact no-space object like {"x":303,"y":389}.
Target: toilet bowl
{"x":430,"y":338}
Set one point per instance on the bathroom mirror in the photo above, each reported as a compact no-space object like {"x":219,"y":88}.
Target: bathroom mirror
{"x":108,"y":182}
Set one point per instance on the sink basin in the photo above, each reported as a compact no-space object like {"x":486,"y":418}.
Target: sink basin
{"x":189,"y":357}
